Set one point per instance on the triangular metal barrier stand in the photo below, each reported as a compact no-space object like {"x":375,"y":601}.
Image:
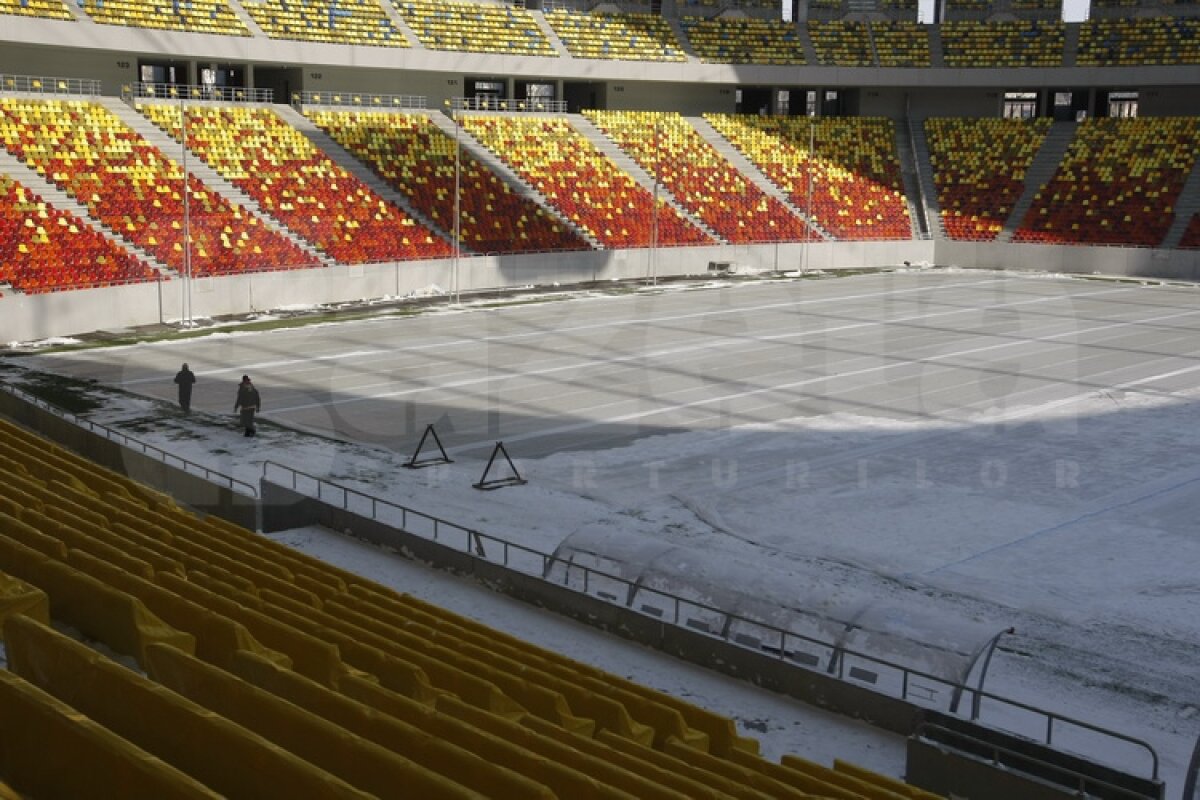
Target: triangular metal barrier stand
{"x":514,"y":480}
{"x":414,"y":463}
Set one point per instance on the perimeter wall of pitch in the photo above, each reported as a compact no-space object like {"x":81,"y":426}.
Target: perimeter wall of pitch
{"x":35,"y":317}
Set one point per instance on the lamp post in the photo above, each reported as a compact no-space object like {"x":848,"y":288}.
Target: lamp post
{"x":187,"y":216}
{"x":654,"y":205}
{"x":455,"y":115}
{"x":808,"y":202}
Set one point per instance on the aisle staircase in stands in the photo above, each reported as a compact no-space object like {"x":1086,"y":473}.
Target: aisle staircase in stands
{"x":156,"y":136}
{"x":751,"y":171}
{"x":347,"y":161}
{"x":1044,"y":165}
{"x":629,"y":166}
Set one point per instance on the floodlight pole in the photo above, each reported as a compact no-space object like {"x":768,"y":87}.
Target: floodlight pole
{"x":654,"y":210}
{"x":457,"y":200}
{"x":187,"y":217}
{"x":808,"y":202}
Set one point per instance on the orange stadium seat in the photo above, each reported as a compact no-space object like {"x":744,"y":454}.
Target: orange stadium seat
{"x":1191,"y":236}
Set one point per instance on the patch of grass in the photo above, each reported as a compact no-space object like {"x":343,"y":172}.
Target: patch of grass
{"x":69,"y":394}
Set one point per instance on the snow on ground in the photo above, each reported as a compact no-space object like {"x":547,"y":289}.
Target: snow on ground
{"x":1075,"y":523}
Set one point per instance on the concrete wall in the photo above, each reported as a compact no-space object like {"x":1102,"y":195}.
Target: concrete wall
{"x":39,"y":46}
{"x":187,"y":488}
{"x":1141,"y":262}
{"x":35,"y":317}
{"x":282,"y":509}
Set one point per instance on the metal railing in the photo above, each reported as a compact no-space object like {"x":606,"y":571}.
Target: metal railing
{"x":527,"y":106}
{"x":359,"y":100}
{"x":795,"y":649}
{"x":198,"y":93}
{"x":1084,"y":785}
{"x":87,"y":87}
{"x":164,"y":456}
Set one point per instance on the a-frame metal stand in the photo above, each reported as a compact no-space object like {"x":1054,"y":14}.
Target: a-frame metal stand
{"x":496,"y":483}
{"x":416,"y":462}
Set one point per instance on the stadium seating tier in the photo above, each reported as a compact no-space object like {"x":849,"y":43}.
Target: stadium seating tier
{"x":196,"y":16}
{"x":979,"y":170}
{"x":46,"y":249}
{"x":849,"y":182}
{"x":1117,"y":184}
{"x":625,"y":37}
{"x":415,"y":157}
{"x":581,"y":182}
{"x":331,"y":686}
{"x":299,"y":185}
{"x":706,"y":184}
{"x":137,"y":191}
{"x":475,"y":27}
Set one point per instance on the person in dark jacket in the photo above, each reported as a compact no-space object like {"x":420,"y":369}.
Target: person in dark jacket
{"x":248,"y":403}
{"x":185,"y":378}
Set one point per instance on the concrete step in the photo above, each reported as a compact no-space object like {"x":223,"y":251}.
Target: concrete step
{"x":50,"y":193}
{"x":751,"y":172}
{"x":1040,"y":171}
{"x":629,"y":166}
{"x":937,"y":53}
{"x":1071,"y":44}
{"x":913,"y":148}
{"x":505,"y":173}
{"x":247,"y":20}
{"x":1186,"y":206}
{"x":810,"y":52}
{"x":548,"y":29}
{"x":347,"y":161}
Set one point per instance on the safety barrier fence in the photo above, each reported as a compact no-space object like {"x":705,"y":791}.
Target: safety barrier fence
{"x":200,"y":93}
{"x":489,"y":103}
{"x":87,"y":87}
{"x":799,"y":650}
{"x":157,"y":453}
{"x":359,"y":100}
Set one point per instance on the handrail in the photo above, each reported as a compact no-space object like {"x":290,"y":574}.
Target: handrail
{"x":41,"y":84}
{"x":488,"y":103}
{"x":1083,"y":784}
{"x":359,"y":99}
{"x":139,"y":90}
{"x":497,"y":550}
{"x":168,"y":458}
